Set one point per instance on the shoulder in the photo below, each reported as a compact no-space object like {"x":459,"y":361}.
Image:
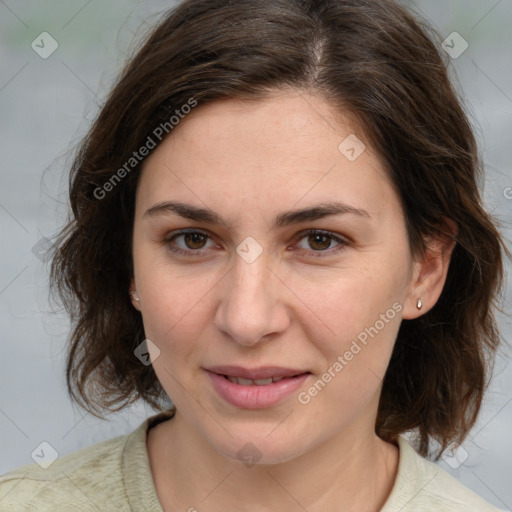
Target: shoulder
{"x":111,"y":475}
{"x":422,"y":485}
{"x":75,"y":479}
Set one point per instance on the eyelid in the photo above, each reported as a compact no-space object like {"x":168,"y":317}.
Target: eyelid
{"x":190,"y":252}
{"x":342,"y":241}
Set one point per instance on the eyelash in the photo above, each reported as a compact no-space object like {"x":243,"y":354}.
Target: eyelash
{"x":315,"y":254}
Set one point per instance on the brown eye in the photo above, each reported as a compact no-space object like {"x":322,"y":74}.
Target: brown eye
{"x":194,"y":240}
{"x":319,"y":242}
{"x":188,"y":243}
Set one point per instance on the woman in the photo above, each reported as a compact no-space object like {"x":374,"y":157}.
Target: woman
{"x":276,"y":223}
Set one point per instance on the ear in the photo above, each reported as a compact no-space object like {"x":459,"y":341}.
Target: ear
{"x":133,"y":295}
{"x":430,"y":272}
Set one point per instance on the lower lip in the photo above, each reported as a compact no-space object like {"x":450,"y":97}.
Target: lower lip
{"x":255,"y":397}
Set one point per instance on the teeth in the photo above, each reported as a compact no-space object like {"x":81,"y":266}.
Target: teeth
{"x":256,"y":382}
{"x":245,"y":382}
{"x":263,"y":382}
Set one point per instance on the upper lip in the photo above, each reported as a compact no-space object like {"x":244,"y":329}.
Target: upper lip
{"x":263,"y":372}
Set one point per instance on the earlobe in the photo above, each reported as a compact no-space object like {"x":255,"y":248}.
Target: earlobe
{"x":430,"y":273}
{"x":134,"y":297}
{"x":135,"y":300}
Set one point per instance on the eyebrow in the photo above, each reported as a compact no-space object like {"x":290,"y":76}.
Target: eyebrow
{"x":208,"y":216}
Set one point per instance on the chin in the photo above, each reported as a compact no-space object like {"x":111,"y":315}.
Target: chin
{"x":252,"y":446}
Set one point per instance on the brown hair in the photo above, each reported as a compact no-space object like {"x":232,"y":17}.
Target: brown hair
{"x":368,"y":56}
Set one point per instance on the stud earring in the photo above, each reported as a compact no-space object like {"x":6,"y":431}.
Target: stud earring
{"x":133,"y":295}
{"x":419,"y":304}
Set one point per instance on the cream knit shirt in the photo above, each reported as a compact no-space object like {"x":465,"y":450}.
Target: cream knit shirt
{"x":115,"y":476}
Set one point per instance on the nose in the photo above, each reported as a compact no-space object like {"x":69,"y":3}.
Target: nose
{"x":252,"y":302}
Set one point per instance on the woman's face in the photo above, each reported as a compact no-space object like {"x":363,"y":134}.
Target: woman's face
{"x":249,"y":288}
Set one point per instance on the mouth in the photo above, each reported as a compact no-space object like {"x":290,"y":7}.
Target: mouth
{"x":257,"y":388}
{"x":260,"y":376}
{"x":258,"y":382}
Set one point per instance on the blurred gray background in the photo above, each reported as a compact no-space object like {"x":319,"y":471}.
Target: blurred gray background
{"x":47,"y":102}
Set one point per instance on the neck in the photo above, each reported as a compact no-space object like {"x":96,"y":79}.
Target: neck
{"x":357,"y":471}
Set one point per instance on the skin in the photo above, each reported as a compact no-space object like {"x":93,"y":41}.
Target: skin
{"x":249,"y":162}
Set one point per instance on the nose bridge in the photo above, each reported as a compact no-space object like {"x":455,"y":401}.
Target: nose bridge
{"x":251,"y":276}
{"x":250,"y":306}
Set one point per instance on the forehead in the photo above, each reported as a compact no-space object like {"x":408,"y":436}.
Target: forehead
{"x":282,"y":150}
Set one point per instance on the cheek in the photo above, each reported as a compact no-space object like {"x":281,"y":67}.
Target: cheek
{"x":173,"y":298}
{"x":355,"y":360}
{"x":352,"y":321}
{"x":174,"y":318}
{"x":341,"y":303}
